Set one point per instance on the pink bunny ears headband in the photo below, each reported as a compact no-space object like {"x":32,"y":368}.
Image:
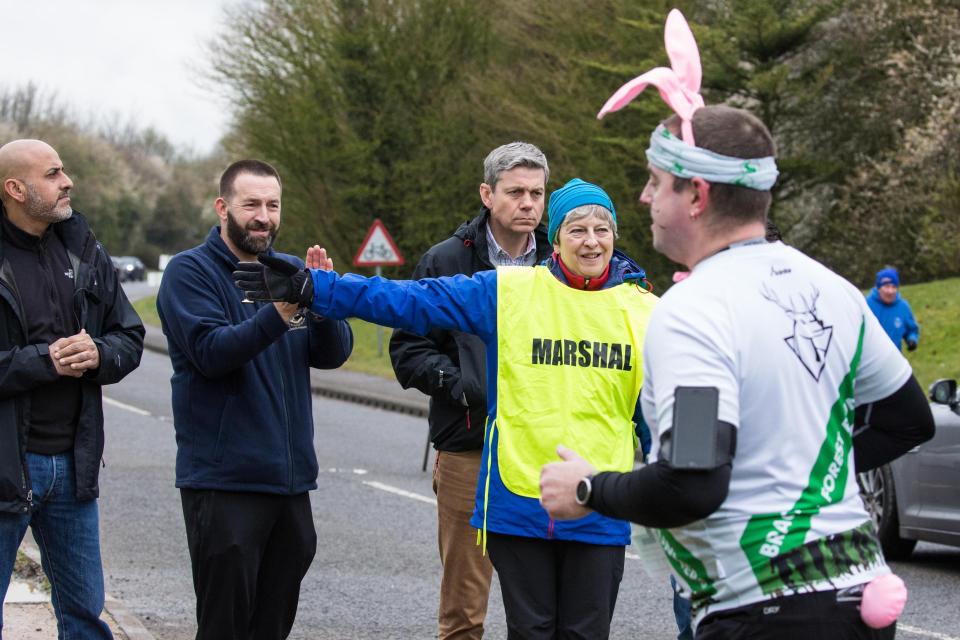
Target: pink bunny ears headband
{"x":679,"y":86}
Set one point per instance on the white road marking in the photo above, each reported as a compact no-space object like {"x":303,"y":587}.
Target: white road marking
{"x":356,"y":472}
{"x":923,"y":632}
{"x":433,"y":501}
{"x":400,"y":492}
{"x":128,"y":407}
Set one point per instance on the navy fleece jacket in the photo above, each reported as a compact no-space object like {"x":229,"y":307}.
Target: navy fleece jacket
{"x":241,"y":378}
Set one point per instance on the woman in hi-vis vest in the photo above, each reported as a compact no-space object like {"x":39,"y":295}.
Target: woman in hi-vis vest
{"x":564,"y":345}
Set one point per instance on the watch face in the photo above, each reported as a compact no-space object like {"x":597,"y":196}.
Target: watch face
{"x":583,"y":491}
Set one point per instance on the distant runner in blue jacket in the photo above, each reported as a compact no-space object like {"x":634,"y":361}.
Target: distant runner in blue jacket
{"x":892,"y":311}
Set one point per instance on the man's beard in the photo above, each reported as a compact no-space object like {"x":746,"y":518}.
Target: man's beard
{"x":46,"y":211}
{"x":243,"y":241}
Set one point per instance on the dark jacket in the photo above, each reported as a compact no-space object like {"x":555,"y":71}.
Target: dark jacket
{"x":104,"y":311}
{"x":242,"y":407}
{"x":418,"y":360}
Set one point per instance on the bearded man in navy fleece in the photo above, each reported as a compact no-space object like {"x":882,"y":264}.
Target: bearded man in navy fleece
{"x":243,"y":415}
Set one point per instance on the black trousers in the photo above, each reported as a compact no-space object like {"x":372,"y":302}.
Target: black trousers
{"x":554,"y":588}
{"x":801,"y":617}
{"x":249,"y":552}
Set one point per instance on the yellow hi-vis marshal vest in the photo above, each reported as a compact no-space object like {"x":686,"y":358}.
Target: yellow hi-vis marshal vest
{"x":569,"y":372}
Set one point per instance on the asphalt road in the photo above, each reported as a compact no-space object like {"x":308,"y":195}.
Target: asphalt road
{"x":376,"y":570}
{"x":376,"y":573}
{"x":137,"y":290}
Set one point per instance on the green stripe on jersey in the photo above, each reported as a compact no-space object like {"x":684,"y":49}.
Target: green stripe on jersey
{"x":686,"y":564}
{"x":770,"y":537}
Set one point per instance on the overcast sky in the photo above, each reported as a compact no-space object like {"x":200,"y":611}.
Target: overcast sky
{"x":137,"y":58}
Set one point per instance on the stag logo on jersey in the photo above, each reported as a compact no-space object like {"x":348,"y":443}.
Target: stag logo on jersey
{"x":810,"y":339}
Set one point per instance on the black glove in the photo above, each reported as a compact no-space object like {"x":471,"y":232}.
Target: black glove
{"x":271,"y":279}
{"x":452,"y":384}
{"x":911,"y":345}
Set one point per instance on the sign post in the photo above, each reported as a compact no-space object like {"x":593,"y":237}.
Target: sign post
{"x":378,"y":250}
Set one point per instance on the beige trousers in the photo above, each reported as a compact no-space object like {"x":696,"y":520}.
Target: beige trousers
{"x":465,"y":584}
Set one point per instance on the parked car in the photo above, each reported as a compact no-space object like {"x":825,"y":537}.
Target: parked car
{"x":129,"y":268}
{"x":917,"y":496}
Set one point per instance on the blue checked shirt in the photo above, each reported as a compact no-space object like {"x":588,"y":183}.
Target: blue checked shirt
{"x":500,"y":258}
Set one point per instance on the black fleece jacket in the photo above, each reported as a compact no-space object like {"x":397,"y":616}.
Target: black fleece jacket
{"x":419,"y":360}
{"x":103,"y":310}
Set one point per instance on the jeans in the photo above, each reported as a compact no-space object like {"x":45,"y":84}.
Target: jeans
{"x":682,"y":612}
{"x":67,"y":532}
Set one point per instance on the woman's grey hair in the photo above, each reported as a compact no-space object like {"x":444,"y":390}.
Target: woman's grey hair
{"x":588,"y":211}
{"x":512,"y":155}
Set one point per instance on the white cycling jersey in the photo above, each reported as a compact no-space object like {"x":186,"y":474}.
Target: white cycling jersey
{"x":792,"y":348}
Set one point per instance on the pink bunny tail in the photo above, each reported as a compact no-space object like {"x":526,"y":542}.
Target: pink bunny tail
{"x":883,"y":601}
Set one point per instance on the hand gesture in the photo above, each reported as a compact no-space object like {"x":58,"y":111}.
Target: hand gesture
{"x":317,"y":258}
{"x":75,"y":354}
{"x":558,"y":485}
{"x":271,"y":279}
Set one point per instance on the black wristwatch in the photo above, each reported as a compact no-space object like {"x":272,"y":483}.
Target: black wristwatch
{"x":584,"y":487}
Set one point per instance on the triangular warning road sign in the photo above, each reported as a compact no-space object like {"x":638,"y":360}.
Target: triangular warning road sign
{"x":378,"y":248}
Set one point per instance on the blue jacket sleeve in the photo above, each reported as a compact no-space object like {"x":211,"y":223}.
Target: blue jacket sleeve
{"x":912,"y":333}
{"x":455,"y":302}
{"x":331,"y":341}
{"x":194,"y":314}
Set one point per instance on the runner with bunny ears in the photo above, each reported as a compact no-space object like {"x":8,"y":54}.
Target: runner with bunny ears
{"x":785,"y":378}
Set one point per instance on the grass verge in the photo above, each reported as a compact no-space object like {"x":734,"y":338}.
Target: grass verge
{"x":936,"y":306}
{"x":26,"y":570}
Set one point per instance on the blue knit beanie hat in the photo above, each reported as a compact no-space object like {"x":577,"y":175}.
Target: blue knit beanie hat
{"x":575,"y":193}
{"x":888,"y":276}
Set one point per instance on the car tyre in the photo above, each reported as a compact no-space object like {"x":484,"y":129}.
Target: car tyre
{"x":880,"y":500}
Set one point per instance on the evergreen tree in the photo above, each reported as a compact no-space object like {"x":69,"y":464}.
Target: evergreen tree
{"x":350,"y":101}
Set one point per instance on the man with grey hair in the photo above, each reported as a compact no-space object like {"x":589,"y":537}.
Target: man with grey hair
{"x":66,"y":329}
{"x":449,"y":367}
